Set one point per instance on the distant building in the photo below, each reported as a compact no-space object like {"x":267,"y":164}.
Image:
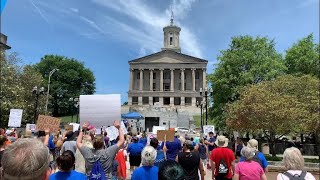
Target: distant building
{"x":166,"y":80}
{"x":3,"y":42}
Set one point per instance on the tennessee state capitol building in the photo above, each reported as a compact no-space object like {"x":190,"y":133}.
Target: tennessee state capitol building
{"x":164,"y":86}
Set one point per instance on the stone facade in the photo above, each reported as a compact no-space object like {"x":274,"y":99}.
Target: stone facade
{"x":167,"y":83}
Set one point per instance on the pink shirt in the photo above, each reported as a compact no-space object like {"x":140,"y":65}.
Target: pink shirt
{"x":249,"y":170}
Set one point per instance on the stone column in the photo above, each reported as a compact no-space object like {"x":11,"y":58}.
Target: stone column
{"x":161,"y":101}
{"x":161,"y":80}
{"x":151,"y":79}
{"x":139,"y":100}
{"x":129,"y":100}
{"x":172,"y":80}
{"x":151,"y":100}
{"x":131,"y":79}
{"x":141,"y":80}
{"x":204,"y":78}
{"x":171,"y":101}
{"x":193,"y":79}
{"x":182,"y":101}
{"x":193,"y":101}
{"x":182,"y":79}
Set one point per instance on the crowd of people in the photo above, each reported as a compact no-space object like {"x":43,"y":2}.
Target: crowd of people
{"x":86,"y":155}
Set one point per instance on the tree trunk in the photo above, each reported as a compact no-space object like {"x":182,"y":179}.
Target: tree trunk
{"x":272,"y":144}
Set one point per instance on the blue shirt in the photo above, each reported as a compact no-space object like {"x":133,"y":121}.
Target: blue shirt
{"x":160,"y":158}
{"x":51,"y":145}
{"x":135,"y":148}
{"x":145,"y":173}
{"x":211,"y":140}
{"x":67,"y":176}
{"x":263,"y":160}
{"x":143,"y":141}
{"x":173,"y":148}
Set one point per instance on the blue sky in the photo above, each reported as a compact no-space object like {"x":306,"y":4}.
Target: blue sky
{"x":106,"y":34}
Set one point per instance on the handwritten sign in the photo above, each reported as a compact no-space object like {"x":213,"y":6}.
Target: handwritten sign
{"x":48,"y":122}
{"x":15,"y":117}
{"x":100,"y":110}
{"x":113,"y":132}
{"x":31,"y":127}
{"x":208,"y":128}
{"x":161,"y":134}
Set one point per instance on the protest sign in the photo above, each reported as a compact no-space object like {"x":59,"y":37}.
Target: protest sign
{"x":156,"y":128}
{"x":48,"y":122}
{"x":207,"y":129}
{"x":15,"y":117}
{"x":31,"y":127}
{"x":100,"y":110}
{"x":113,"y":132}
{"x":75,"y":126}
{"x":162,"y":134}
{"x":68,"y":127}
{"x":150,"y":136}
{"x":125,"y":131}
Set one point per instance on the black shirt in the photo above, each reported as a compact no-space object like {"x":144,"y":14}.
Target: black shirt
{"x":190,"y":164}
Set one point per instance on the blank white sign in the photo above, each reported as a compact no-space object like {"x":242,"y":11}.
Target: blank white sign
{"x":100,"y":110}
{"x":15,"y":117}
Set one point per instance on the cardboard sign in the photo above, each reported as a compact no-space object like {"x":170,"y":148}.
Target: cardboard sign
{"x":68,"y":127}
{"x":165,"y":134}
{"x":156,"y":128}
{"x":100,"y":110}
{"x":31,"y":127}
{"x":208,"y":128}
{"x":48,"y":122}
{"x":15,"y":118}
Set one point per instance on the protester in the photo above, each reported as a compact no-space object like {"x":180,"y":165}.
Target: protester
{"x":147,"y":171}
{"x":3,"y":140}
{"x":106,"y":139}
{"x":66,"y":163}
{"x":69,"y":143}
{"x":211,"y":145}
{"x":134,"y":150}
{"x":190,"y":162}
{"x":143,"y":140}
{"x":26,"y":159}
{"x":248,"y":169}
{"x":294,"y":163}
{"x":161,"y":157}
{"x":98,"y":153}
{"x":80,"y":161}
{"x":171,"y":170}
{"x":203,"y":151}
{"x":115,"y":166}
{"x":121,"y":158}
{"x":222,"y":160}
{"x":259,"y":157}
{"x":172,"y":148}
{"x":238,"y":147}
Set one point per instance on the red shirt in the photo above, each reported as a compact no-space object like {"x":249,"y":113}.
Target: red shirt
{"x":227,"y":154}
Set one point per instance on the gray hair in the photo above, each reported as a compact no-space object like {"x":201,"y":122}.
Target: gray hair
{"x":248,"y":153}
{"x":25,"y":159}
{"x":148,"y":156}
{"x":293,"y":159}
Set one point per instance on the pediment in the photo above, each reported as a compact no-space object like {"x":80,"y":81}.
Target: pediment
{"x":167,"y":57}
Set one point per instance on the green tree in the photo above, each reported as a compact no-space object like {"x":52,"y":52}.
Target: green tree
{"x":288,"y":104}
{"x":248,"y":60}
{"x":17,"y":82}
{"x":72,"y":80}
{"x":303,"y":57}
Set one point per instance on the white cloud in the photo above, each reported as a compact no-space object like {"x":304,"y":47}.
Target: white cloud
{"x":75,"y":10}
{"x":39,"y":11}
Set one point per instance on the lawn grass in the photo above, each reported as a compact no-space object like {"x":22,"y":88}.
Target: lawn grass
{"x":197,"y":119}
{"x":68,"y":119}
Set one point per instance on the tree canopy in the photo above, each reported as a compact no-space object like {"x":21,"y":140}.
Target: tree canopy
{"x":72,"y":80}
{"x":248,"y":60}
{"x":303,"y":57}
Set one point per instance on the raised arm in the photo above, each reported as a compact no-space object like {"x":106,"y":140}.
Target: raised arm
{"x":79,"y":139}
{"x":46,"y":138}
{"x":121,"y":135}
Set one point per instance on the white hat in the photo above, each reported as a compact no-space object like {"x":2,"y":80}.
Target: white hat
{"x":222,"y":141}
{"x":252,"y":143}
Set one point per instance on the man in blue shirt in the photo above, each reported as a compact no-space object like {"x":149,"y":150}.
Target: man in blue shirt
{"x":211,"y":145}
{"x":259,"y":157}
{"x":172,"y":148}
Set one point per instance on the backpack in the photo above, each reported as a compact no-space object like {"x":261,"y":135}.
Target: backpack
{"x":295,"y":176}
{"x":223,"y":168}
{"x":97,"y":172}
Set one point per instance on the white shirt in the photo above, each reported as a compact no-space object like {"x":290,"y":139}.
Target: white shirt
{"x":308,"y":176}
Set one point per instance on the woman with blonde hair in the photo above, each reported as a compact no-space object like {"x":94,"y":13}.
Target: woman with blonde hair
{"x":294,"y":163}
{"x":147,"y":171}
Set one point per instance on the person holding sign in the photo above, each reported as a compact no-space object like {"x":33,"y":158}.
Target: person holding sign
{"x":99,"y":153}
{"x":134,"y":150}
{"x":172,"y":148}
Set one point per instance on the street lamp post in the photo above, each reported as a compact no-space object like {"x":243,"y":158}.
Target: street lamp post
{"x":205,"y":93}
{"x":37,"y":92}
{"x":47,"y":100}
{"x":75,"y":103}
{"x":201,"y":104}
